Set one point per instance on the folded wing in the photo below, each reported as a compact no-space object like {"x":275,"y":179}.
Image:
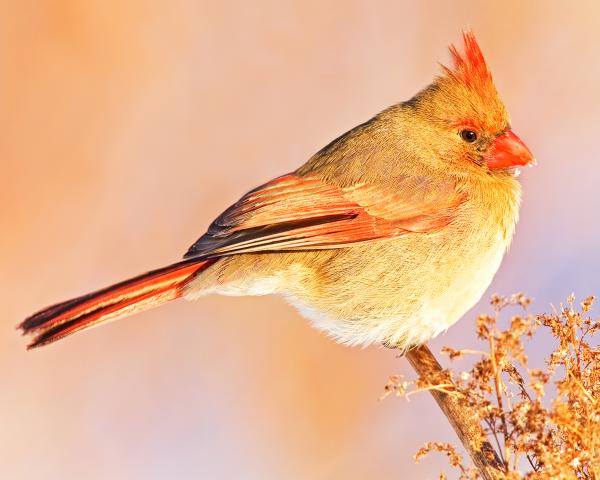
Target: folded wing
{"x":304,"y":213}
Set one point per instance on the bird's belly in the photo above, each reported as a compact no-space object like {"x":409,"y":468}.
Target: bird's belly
{"x":441,"y":310}
{"x":400,"y":305}
{"x":384,"y":292}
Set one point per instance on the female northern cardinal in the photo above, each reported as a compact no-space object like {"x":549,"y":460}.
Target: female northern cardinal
{"x":388,"y":234}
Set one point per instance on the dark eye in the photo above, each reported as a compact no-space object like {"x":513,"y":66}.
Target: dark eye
{"x":468,"y":136}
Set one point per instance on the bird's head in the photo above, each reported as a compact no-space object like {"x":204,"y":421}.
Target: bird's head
{"x":467,"y":123}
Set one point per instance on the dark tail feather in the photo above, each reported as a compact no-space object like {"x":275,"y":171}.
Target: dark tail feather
{"x":125,"y":298}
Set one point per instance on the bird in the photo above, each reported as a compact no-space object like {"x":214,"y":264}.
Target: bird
{"x":388,"y":235}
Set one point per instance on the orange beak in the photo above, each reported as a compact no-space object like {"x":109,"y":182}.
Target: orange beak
{"x":507,"y":151}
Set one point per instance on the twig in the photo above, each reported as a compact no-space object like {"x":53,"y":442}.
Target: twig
{"x":464,"y":421}
{"x":498,"y":389}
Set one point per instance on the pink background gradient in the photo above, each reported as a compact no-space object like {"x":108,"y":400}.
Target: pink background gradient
{"x":128,"y":125}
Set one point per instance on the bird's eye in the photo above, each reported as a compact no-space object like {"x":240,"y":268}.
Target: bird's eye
{"x":468,"y":136}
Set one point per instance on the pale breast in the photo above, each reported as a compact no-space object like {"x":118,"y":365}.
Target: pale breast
{"x":400,"y":293}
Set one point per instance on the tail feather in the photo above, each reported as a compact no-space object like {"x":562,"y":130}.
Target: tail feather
{"x":125,"y":298}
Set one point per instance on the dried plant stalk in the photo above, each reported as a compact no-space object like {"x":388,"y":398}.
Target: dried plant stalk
{"x":465,"y":422}
{"x":545,"y":423}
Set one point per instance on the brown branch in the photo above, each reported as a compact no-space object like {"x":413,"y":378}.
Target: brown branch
{"x":464,"y":421}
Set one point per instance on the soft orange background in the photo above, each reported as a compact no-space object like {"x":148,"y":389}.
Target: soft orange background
{"x":128,"y":125}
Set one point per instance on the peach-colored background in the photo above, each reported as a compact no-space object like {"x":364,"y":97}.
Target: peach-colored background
{"x":128,"y":125}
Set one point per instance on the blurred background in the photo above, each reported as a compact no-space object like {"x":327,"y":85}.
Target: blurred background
{"x":128,"y":125}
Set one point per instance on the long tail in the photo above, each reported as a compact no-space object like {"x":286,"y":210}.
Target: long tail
{"x":125,"y":298}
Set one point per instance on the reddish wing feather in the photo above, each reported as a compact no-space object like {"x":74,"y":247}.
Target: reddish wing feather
{"x":305,"y":213}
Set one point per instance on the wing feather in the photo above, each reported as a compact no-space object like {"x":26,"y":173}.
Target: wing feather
{"x":294,"y":212}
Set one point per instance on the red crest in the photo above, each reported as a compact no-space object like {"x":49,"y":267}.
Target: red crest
{"x":469,"y":68}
